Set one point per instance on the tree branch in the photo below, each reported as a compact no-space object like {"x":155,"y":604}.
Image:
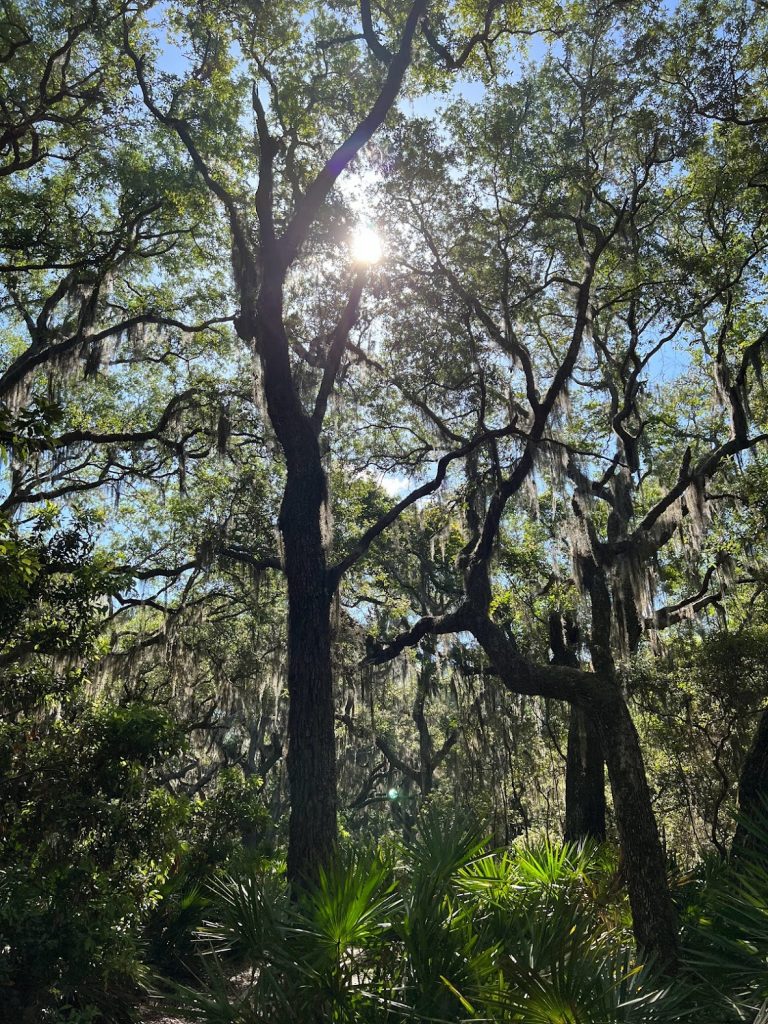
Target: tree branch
{"x":309,"y":206}
{"x":361,"y":545}
{"x":336,"y":351}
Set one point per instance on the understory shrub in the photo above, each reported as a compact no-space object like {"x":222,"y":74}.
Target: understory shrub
{"x":444,"y":929}
{"x":441,"y":929}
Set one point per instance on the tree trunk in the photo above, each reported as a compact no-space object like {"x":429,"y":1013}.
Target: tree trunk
{"x":653,"y":914}
{"x":304,"y":525}
{"x":753,"y":790}
{"x":584,"y":781}
{"x":584,"y":767}
{"x":426,"y":766}
{"x":311,"y":733}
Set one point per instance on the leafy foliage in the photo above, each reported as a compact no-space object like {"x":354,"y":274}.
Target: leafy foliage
{"x":544,"y":405}
{"x":447,"y":931}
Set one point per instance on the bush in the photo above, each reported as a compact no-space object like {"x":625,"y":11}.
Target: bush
{"x":87,"y":833}
{"x":447,"y":931}
{"x":225,"y":832}
{"x":88,"y":839}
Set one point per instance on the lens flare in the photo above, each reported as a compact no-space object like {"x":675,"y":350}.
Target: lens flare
{"x":366,"y":246}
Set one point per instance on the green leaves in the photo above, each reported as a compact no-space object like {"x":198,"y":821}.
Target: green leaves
{"x":88,"y":840}
{"x":726,"y":928}
{"x":422,"y":944}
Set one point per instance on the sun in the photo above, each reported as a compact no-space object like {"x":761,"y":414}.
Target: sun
{"x":365,"y":245}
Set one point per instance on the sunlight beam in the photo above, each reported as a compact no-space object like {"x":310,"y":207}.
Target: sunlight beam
{"x":366,"y":246}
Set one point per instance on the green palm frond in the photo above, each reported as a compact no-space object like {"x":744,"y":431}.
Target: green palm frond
{"x":559,"y":969}
{"x":725,"y":937}
{"x":454,"y":933}
{"x":440,"y":848}
{"x":246,"y":915}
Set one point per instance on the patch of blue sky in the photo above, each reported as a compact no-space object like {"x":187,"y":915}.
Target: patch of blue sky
{"x":172,"y":58}
{"x":525,"y":53}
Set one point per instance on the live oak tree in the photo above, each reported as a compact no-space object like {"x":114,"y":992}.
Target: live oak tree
{"x":587,"y":247}
{"x":107,"y":289}
{"x":177,"y":228}
{"x":276,"y":195}
{"x":261,"y":264}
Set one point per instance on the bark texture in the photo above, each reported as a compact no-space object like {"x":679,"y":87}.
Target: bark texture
{"x":653,"y":915}
{"x":585,"y":766}
{"x":584,"y":781}
{"x":753,"y":791}
{"x":304,"y":527}
{"x":311,"y":738}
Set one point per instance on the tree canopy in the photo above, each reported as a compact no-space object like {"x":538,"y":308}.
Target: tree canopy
{"x":384,"y":435}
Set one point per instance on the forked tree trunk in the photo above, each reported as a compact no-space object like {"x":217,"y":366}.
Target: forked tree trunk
{"x":653,"y":915}
{"x":584,"y":781}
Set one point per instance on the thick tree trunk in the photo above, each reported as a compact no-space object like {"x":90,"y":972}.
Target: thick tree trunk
{"x":584,"y":781}
{"x":753,"y":789}
{"x":653,"y":914}
{"x":311,"y":739}
{"x":585,"y":766}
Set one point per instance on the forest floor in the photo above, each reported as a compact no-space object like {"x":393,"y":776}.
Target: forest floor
{"x":152,"y":1015}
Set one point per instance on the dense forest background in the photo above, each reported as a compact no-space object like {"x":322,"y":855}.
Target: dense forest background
{"x":383,"y":506}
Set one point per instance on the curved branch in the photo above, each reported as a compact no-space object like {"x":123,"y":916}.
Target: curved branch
{"x":397,"y":762}
{"x":374,"y":44}
{"x":338,"y":344}
{"x":429,"y":625}
{"x":704,"y":469}
{"x":36,"y":355}
{"x":361,"y":545}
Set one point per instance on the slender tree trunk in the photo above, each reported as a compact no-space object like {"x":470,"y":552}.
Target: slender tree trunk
{"x":584,"y":780}
{"x":653,"y":914}
{"x":753,"y":789}
{"x":426,"y":767}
